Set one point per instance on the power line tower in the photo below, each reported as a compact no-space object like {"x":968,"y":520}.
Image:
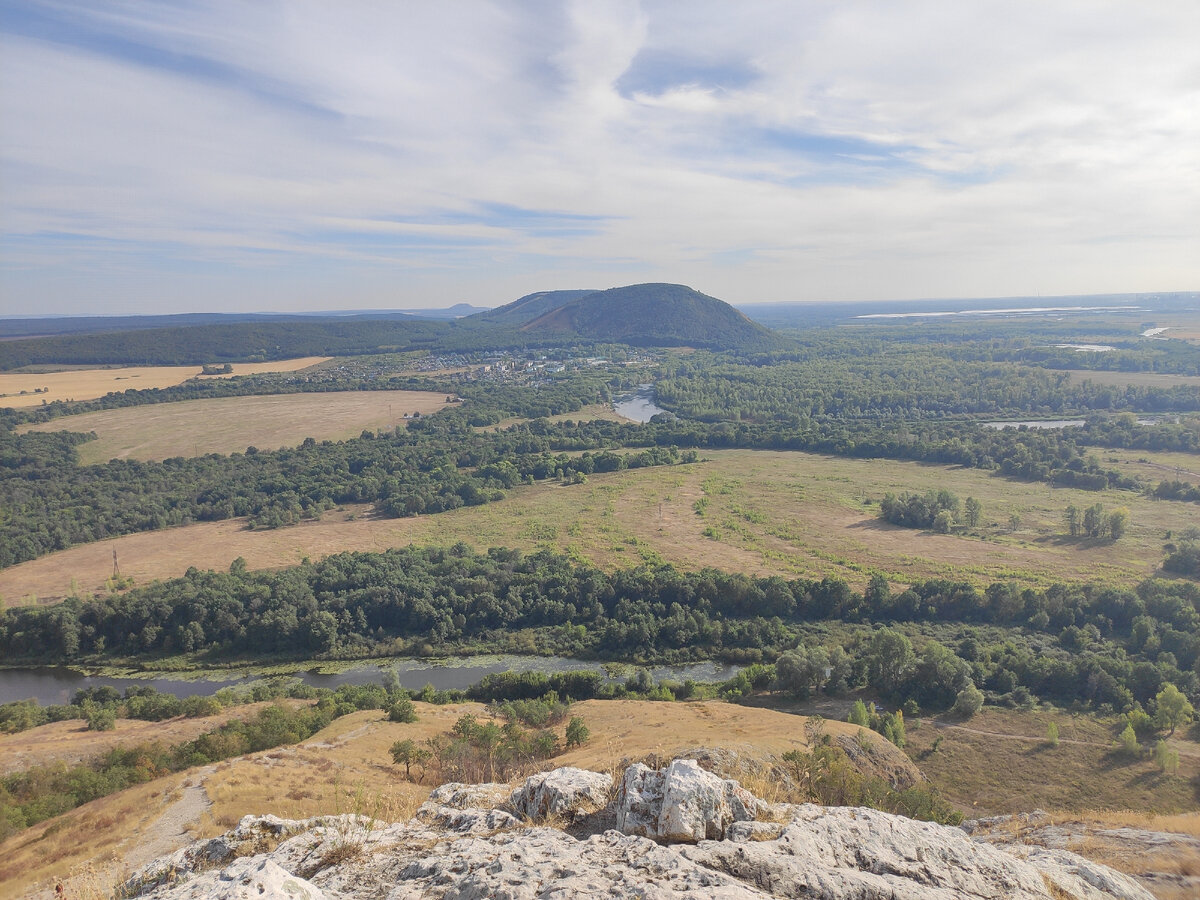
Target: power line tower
{"x":116,"y":568}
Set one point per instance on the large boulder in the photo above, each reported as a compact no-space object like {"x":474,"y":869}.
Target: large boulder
{"x":682,"y":803}
{"x":567,"y":792}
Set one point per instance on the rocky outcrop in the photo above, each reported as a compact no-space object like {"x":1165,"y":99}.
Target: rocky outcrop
{"x":707,"y":843}
{"x":683,"y":802}
{"x":567,"y":792}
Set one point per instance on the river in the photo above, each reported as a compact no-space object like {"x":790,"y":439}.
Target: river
{"x":57,"y":685}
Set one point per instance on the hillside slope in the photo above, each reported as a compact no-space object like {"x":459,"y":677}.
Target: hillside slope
{"x":527,"y":308}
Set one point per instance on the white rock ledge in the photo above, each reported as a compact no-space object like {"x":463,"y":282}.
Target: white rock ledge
{"x":683,"y":832}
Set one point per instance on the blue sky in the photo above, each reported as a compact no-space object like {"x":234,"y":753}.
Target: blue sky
{"x":177,"y":156}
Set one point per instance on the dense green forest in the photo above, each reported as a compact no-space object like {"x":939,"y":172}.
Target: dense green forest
{"x":1065,"y":642}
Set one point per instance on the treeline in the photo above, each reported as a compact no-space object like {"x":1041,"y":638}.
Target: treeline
{"x":265,"y":341}
{"x":418,"y":601}
{"x":895,"y":382}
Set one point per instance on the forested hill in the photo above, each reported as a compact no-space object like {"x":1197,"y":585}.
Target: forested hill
{"x":656,"y":315}
{"x":644,"y":314}
{"x":529,"y":307}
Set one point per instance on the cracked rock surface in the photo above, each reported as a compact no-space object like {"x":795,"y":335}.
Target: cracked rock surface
{"x":683,"y":832}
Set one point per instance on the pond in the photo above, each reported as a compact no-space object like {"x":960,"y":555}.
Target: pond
{"x":52,"y":684}
{"x":639,"y":405}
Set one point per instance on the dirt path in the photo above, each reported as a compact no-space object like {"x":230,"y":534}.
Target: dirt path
{"x":170,"y":832}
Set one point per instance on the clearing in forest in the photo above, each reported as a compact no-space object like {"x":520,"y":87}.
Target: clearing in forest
{"x":231,"y":424}
{"x":24,"y":389}
{"x":759,"y":512}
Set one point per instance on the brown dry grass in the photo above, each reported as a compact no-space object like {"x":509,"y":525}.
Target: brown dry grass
{"x":71,"y":741}
{"x":231,"y":424}
{"x":88,"y":843}
{"x":793,"y":514}
{"x":998,"y":762}
{"x":88,"y":384}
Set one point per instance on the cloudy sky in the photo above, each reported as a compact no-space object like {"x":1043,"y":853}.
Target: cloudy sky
{"x":163,"y":157}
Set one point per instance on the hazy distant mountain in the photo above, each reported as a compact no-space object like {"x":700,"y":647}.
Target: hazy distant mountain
{"x":457,"y":311}
{"x":652,"y":315}
{"x":529,"y":307}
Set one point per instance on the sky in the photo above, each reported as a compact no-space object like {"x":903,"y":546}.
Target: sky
{"x":296,"y":155}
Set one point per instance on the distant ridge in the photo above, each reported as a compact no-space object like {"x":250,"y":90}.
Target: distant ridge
{"x":653,"y":315}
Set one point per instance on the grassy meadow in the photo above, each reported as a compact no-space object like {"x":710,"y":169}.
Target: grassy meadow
{"x":231,"y":424}
{"x":17,"y":389}
{"x":1000,"y":762}
{"x":761,"y":512}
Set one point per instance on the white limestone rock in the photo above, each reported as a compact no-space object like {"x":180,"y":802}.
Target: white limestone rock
{"x":681,"y":803}
{"x":252,"y":834}
{"x":466,"y":821}
{"x":814,"y":852}
{"x":566,"y":792}
{"x":249,"y":878}
{"x":546,"y":864}
{"x":840,"y":853}
{"x":471,"y":796}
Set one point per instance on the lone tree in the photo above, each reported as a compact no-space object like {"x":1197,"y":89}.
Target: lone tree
{"x":406,"y":753}
{"x":577,"y":732}
{"x":1172,"y":708}
{"x":402,"y":711}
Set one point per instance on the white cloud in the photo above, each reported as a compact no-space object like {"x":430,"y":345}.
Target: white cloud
{"x":382,"y":152}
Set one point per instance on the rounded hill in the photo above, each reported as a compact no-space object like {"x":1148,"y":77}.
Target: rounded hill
{"x":655,"y":315}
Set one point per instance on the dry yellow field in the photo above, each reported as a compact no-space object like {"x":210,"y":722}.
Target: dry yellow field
{"x":17,"y":389}
{"x":231,"y":424}
{"x":766,"y":512}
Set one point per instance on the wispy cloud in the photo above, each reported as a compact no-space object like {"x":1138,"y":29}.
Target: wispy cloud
{"x":311,"y":154}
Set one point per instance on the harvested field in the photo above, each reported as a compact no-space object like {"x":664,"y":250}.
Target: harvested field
{"x":231,"y":424}
{"x":765,"y":512}
{"x":88,"y":384}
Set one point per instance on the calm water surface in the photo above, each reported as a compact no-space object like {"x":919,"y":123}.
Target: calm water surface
{"x":57,"y":685}
{"x":639,"y":405}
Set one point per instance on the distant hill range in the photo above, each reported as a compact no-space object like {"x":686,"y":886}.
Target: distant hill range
{"x":17,"y":327}
{"x":648,"y":315}
{"x":641,"y":314}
